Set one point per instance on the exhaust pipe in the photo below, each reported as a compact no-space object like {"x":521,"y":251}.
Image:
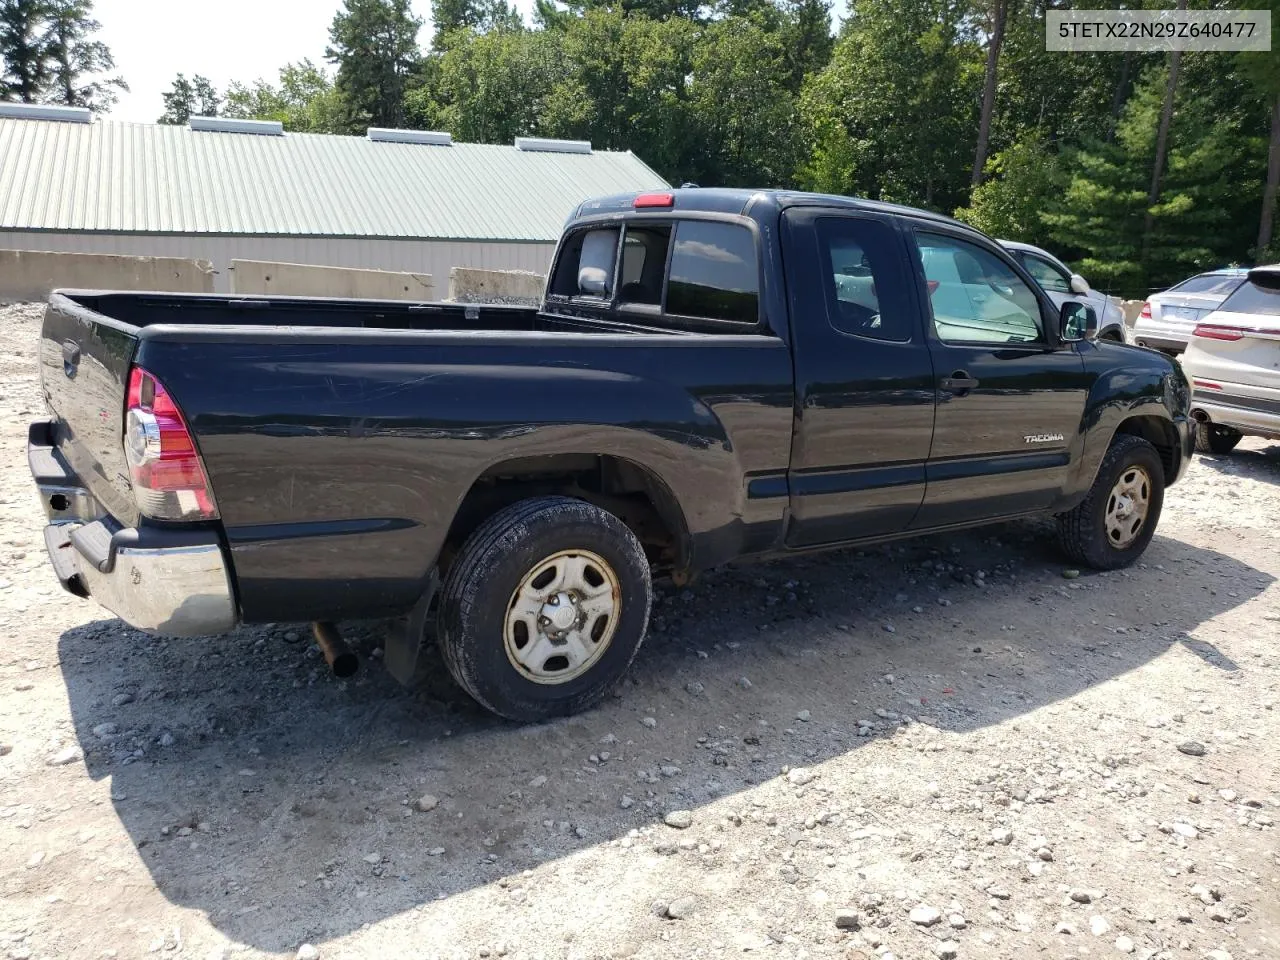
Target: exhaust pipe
{"x":340,"y":658}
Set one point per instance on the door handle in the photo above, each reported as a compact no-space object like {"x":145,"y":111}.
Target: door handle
{"x":958,"y":382}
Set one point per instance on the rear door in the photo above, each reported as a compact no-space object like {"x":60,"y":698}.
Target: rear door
{"x":84,"y":370}
{"x":1010,"y":397}
{"x":864,"y":379}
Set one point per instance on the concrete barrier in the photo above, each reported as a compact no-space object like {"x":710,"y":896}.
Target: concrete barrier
{"x":472,"y":285}
{"x":308,"y":280}
{"x":1131,"y":309}
{"x":32,"y":274}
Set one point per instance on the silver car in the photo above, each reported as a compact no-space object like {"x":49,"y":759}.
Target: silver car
{"x":1062,"y":285}
{"x":1168,"y":317}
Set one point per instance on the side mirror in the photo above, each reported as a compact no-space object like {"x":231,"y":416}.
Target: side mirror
{"x":1077,"y":321}
{"x":593,"y":281}
{"x":1079,"y":285}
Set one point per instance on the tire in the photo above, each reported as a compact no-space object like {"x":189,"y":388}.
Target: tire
{"x":1214,"y":439}
{"x":1087,"y":531}
{"x":479,"y":625}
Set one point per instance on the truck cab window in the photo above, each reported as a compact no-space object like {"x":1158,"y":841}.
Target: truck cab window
{"x":714,"y":273}
{"x":644,"y":260}
{"x":864,"y":278}
{"x":586,"y":264}
{"x":975,"y":296}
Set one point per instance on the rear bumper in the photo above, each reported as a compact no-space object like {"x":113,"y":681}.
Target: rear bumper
{"x":169,"y":582}
{"x":1158,"y":342}
{"x":1253,"y":415}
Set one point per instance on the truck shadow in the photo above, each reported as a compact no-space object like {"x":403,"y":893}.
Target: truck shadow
{"x":280,"y":801}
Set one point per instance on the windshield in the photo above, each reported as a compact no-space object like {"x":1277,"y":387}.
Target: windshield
{"x":1214,"y":283}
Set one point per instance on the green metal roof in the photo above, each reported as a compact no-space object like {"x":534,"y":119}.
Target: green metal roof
{"x":146,"y":178}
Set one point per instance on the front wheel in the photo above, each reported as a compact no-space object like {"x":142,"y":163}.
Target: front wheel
{"x":1112,"y":526}
{"x":1211,"y":438}
{"x":544,"y":608}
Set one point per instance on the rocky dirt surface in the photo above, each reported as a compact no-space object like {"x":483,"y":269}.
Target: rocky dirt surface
{"x":952,"y":747}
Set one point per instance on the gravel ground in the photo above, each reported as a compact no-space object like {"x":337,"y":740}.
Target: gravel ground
{"x":951,"y":747}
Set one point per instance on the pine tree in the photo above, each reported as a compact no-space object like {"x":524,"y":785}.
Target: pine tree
{"x":78,"y":61}
{"x":189,"y":98}
{"x":24,"y":50}
{"x":1202,"y":217}
{"x":374,"y":44}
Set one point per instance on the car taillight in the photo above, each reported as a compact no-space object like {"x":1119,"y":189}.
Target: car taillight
{"x":1206,"y":384}
{"x":1212,"y":331}
{"x":1146,"y":311}
{"x":169,"y":482}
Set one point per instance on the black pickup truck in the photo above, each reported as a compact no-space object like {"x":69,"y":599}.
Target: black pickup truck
{"x":712,"y":375}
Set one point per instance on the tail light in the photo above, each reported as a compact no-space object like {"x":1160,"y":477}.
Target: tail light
{"x":1207,"y":384}
{"x":1146,"y":311}
{"x":648,"y":200}
{"x":169,"y":481}
{"x":1212,"y":331}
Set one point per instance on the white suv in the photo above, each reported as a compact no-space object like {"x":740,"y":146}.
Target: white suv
{"x":1233,"y":363}
{"x":1062,"y":285}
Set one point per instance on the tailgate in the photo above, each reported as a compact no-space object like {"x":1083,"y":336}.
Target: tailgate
{"x":84,"y":370}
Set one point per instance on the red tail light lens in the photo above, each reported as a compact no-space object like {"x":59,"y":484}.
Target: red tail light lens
{"x":1211,"y":331}
{"x":1146,"y":311}
{"x":169,"y":481}
{"x":1206,"y":384}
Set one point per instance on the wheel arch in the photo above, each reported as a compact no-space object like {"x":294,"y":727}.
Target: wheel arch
{"x":632,"y":491}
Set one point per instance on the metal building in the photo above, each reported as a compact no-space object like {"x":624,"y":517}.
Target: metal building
{"x":225,"y":189}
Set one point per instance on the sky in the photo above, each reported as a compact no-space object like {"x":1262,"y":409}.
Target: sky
{"x":154,"y":40}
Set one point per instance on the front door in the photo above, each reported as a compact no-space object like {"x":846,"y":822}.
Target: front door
{"x":1010,"y":395}
{"x":864,"y":379}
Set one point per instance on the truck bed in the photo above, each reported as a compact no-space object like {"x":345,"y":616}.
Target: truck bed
{"x":341,"y":436}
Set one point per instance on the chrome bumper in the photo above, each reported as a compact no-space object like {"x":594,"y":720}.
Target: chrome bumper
{"x":170,"y":582}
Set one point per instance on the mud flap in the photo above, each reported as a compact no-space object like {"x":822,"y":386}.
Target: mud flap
{"x":404,"y":646}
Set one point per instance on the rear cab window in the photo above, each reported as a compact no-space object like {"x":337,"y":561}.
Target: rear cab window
{"x":686,"y":274}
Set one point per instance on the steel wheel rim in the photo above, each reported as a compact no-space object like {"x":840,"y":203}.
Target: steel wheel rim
{"x":1128,"y":505}
{"x":562,"y":616}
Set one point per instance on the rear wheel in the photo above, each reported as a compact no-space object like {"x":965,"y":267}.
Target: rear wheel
{"x":1211,"y":438}
{"x":544,"y":608}
{"x":1112,"y":526}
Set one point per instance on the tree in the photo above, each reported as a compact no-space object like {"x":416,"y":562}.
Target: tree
{"x":892,"y":116}
{"x":24,"y":49}
{"x":1262,"y":73}
{"x":374,"y":44}
{"x":1020,"y":183}
{"x":305,"y":100}
{"x":479,"y":16}
{"x":1201,"y":218}
{"x":78,"y":60}
{"x":189,"y":98}
{"x":745,"y":119}
{"x":999,"y":13}
{"x":1162,"y":144}
{"x":490,"y":87}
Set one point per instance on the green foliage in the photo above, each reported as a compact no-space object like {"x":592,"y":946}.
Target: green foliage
{"x":1021,"y":182}
{"x":489,"y":87}
{"x":24,"y":49}
{"x":305,"y":100}
{"x":79,"y":61}
{"x":189,"y":98}
{"x":480,"y":16}
{"x":48,"y":55}
{"x":374,"y":44}
{"x":896,"y":109}
{"x":1202,"y":217}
